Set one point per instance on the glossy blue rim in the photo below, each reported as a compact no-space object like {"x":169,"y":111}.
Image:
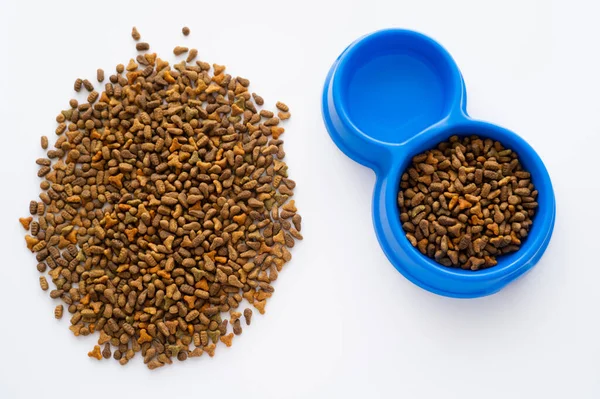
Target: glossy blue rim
{"x":389,"y":160}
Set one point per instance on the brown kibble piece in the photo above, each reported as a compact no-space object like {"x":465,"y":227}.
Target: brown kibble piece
{"x":282,"y":107}
{"x":154,"y":364}
{"x":178,"y":50}
{"x":142,"y":46}
{"x":58,"y":312}
{"x":92,"y":97}
{"x":88,"y":85}
{"x":135,"y":34}
{"x":78,"y":84}
{"x":237,"y":327}
{"x":284,"y":115}
{"x":248,"y":316}
{"x":33,"y":206}
{"x":106,"y":352}
{"x":191,"y":55}
{"x":185,"y":30}
{"x":44,"y":142}
{"x":100,"y":75}
{"x":258,"y":99}
{"x":43,"y":283}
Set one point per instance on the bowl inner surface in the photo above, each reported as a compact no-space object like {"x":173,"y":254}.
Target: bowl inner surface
{"x":394,"y":86}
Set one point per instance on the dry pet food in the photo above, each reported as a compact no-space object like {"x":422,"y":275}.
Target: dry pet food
{"x":165,"y":205}
{"x":467,"y":202}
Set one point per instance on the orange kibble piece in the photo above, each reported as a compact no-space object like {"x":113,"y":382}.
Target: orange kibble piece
{"x":277,"y":131}
{"x":290,"y":206}
{"x":210,"y":349}
{"x":96,"y":353}
{"x":227,"y":339}
{"x":116,"y":180}
{"x":240,"y":219}
{"x":260,"y":306}
{"x":144,"y":337}
{"x":202,"y":284}
{"x":130,"y":233}
{"x":31,"y":242}
{"x":25,"y":222}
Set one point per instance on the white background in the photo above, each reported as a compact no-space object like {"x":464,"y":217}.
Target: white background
{"x":343,"y":323}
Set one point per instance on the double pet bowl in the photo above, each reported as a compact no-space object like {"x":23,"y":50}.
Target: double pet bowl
{"x":394,"y":94}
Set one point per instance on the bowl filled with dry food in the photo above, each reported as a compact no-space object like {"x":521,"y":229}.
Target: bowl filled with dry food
{"x":461,"y":207}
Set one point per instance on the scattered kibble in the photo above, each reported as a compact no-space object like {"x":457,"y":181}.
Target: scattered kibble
{"x":44,"y":142}
{"x":185,"y":30}
{"x":466,"y":202}
{"x":100,"y":75}
{"x":165,"y":205}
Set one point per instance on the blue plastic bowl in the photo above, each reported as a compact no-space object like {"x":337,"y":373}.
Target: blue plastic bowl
{"x":393,"y":94}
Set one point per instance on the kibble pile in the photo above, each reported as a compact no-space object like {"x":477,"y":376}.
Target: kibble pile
{"x":164,"y":206}
{"x":467,"y":202}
